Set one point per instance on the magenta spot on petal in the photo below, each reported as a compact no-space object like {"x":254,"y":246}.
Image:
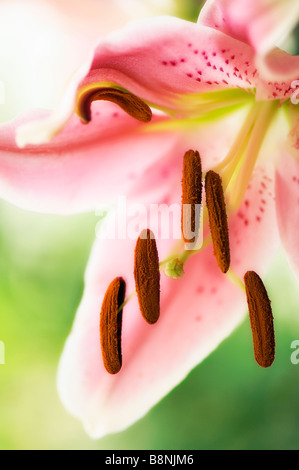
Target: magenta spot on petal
{"x":246,"y":203}
{"x":173,"y":63}
{"x":258,"y":218}
{"x":195,"y":52}
{"x":246,"y":222}
{"x":164,"y":62}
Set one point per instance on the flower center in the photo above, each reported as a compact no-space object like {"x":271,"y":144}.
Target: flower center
{"x":225,"y":186}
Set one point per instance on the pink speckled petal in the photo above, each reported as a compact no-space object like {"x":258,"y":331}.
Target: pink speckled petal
{"x":168,"y":62}
{"x":188,"y":58}
{"x":198,"y":311}
{"x":253,"y":229}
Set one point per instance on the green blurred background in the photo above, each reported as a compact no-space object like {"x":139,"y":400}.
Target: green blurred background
{"x":227,"y":402}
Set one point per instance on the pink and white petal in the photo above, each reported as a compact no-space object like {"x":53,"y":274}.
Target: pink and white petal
{"x":198,"y":312}
{"x":84,"y":164}
{"x":254,"y":235}
{"x":155,"y":357}
{"x":188,"y":60}
{"x":263,"y":24}
{"x":287,"y":205}
{"x":279,"y":69}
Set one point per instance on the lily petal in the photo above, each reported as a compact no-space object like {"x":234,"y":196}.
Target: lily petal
{"x":263,"y":24}
{"x":189,"y":61}
{"x":85,"y":164}
{"x":157,"y":357}
{"x":287,"y":202}
{"x":254,"y":221}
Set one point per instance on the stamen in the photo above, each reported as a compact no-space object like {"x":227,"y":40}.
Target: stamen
{"x":191,"y":196}
{"x":147,"y":276}
{"x":217,"y":219}
{"x":131,"y":104}
{"x":111,"y":325}
{"x":261,"y":319}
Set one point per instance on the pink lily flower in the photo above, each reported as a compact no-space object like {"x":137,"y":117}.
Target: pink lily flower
{"x":211,"y":88}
